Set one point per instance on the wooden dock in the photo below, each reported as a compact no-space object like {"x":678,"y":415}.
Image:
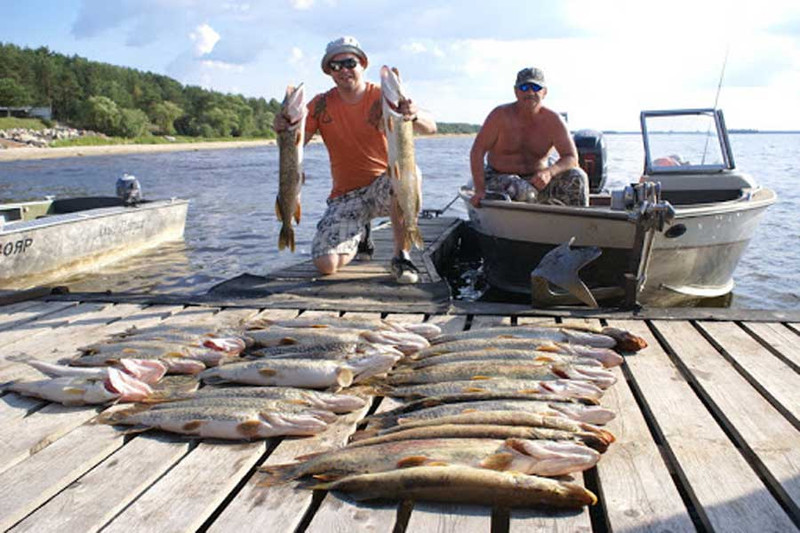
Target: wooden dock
{"x":707,"y":426}
{"x":708,"y":420}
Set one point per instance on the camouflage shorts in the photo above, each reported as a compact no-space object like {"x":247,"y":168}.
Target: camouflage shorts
{"x":342,"y":224}
{"x":571,"y":187}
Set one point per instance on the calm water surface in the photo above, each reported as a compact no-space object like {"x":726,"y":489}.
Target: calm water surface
{"x":231,"y":226}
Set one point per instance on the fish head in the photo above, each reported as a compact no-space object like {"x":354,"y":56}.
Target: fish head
{"x":391,"y":88}
{"x":294,"y":104}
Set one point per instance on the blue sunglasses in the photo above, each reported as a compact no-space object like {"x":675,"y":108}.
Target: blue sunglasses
{"x":525,"y":87}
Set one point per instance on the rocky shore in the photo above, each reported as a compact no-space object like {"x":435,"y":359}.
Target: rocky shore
{"x":19,"y":137}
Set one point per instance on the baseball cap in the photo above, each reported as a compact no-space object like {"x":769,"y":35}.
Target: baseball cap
{"x":343,"y":45}
{"x":530,"y":75}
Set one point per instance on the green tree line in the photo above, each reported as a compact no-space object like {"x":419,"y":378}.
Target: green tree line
{"x":125,"y":102}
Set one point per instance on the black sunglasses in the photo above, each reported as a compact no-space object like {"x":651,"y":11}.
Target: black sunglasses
{"x":348,"y":63}
{"x":525,"y":87}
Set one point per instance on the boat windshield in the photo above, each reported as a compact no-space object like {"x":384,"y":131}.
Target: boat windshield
{"x":685,"y":141}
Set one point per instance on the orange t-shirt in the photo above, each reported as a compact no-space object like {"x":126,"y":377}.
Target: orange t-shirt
{"x":351,"y":132}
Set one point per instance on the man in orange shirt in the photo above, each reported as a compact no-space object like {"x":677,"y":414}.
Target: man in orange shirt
{"x":349,"y":119}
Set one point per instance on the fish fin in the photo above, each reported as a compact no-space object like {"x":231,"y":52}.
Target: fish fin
{"x":412,"y":460}
{"x":326,"y":477}
{"x":74,"y":390}
{"x":307,"y":456}
{"x":130,"y":350}
{"x":298,"y":138}
{"x":249,"y":428}
{"x":303,"y":178}
{"x":175,"y":355}
{"x":545,"y":359}
{"x":438,"y":463}
{"x":297,"y":401}
{"x":396,"y":170}
{"x":529,"y":391}
{"x":474,"y":389}
{"x":287,"y":340}
{"x":363,"y":434}
{"x":550,"y":347}
{"x":117,"y":417}
{"x":286,"y":238}
{"x":481,"y":377}
{"x":467,"y":411}
{"x":298,"y":212}
{"x":136,"y":430}
{"x":498,"y":461}
{"x":390,"y":124}
{"x":194,"y":425}
{"x":278,"y":209}
{"x":267,"y":372}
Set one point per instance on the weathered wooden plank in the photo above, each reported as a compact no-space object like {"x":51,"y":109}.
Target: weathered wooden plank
{"x":794,"y":327}
{"x":637,"y":488}
{"x":12,"y":316}
{"x":203,"y":479}
{"x":32,"y":482}
{"x":444,"y":518}
{"x":771,"y":374}
{"x":44,"y":327}
{"x":13,"y":407}
{"x":94,"y":499}
{"x":781,"y":339}
{"x":769,"y":440}
{"x":23,"y":437}
{"x":727,"y":494}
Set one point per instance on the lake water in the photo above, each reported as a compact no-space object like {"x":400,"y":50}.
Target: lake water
{"x":231,"y":226}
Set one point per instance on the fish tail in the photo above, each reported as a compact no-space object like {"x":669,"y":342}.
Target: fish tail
{"x":277,"y":474}
{"x":286,"y":238}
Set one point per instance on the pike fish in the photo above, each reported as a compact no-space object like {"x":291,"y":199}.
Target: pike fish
{"x":404,"y":341}
{"x":545,"y":458}
{"x":403,"y":170}
{"x":219,"y":422}
{"x":606,"y":356}
{"x":115,"y":386}
{"x":149,"y":372}
{"x":514,"y":369}
{"x":420,"y":328}
{"x":337,"y":403}
{"x":463,"y":484}
{"x":290,"y":163}
{"x":283,"y":372}
{"x":492,"y":355}
{"x":542,"y":333}
{"x":571,"y":388}
{"x":592,"y":414}
{"x":495,"y":418}
{"x":278,"y":405}
{"x":485,"y":431}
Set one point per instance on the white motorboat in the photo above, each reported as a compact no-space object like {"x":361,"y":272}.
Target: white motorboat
{"x":43,"y":241}
{"x":708,"y":212}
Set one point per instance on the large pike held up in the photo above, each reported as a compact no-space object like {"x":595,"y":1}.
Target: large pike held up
{"x":290,"y":163}
{"x":405,"y":175}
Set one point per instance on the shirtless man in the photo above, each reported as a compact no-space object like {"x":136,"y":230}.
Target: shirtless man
{"x":518,"y":137}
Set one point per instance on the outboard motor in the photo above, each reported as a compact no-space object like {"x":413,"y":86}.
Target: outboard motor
{"x":129,"y":190}
{"x":592,"y":157}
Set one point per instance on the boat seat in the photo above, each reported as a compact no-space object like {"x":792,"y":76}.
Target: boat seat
{"x":74,"y":205}
{"x":11,"y":214}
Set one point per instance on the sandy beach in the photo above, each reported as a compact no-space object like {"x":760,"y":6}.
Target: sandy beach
{"x":17,"y":154}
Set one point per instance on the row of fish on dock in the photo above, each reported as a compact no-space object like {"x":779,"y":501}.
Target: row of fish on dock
{"x":499,"y":415}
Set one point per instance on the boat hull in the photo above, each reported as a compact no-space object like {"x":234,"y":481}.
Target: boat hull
{"x":42,"y":250}
{"x":694,"y":259}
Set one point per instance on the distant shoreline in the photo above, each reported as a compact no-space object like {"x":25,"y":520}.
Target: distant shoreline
{"x":27,"y":153}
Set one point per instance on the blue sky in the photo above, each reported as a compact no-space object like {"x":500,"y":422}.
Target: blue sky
{"x":605,"y":60}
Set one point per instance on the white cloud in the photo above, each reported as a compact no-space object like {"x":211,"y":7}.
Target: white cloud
{"x":204,"y":38}
{"x":302,"y":4}
{"x":296,"y":57}
{"x":414,"y":48}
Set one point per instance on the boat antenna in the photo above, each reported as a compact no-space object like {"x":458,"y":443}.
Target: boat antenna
{"x":716,"y":97}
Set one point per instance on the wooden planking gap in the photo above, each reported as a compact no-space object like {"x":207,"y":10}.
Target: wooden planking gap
{"x":13,"y":316}
{"x":769,"y":442}
{"x":779,"y":383}
{"x":793,"y":326}
{"x":29,"y":484}
{"x":777,"y":339}
{"x":726,"y":493}
{"x":137,"y":464}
